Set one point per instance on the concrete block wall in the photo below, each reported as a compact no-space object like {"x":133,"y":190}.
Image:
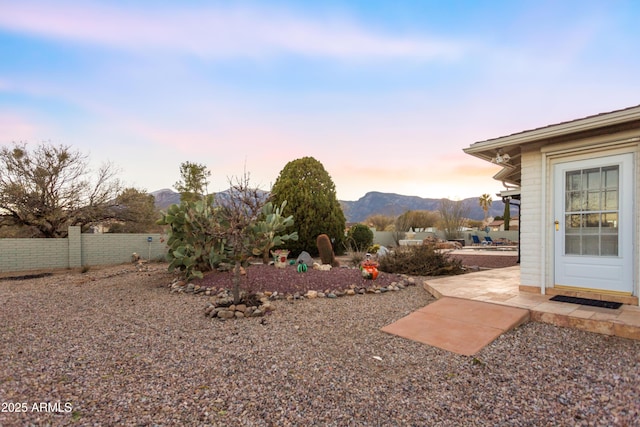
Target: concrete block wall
{"x":101,"y":249}
{"x":32,"y":254}
{"x":78,"y":250}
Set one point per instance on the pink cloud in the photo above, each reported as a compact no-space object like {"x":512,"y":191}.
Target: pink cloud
{"x":15,"y":128}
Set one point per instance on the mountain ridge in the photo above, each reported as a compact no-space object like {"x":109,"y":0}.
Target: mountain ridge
{"x":372,"y":203}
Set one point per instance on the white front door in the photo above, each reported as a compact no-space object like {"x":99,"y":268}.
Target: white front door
{"x":593,"y":209}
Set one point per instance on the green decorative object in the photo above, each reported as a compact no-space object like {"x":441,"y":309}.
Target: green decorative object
{"x":302,"y":268}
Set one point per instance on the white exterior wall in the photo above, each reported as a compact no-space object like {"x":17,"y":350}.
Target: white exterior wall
{"x":537,"y":251}
{"x":531,"y":215}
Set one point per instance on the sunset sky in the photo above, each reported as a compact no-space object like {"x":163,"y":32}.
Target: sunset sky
{"x":385,"y":94}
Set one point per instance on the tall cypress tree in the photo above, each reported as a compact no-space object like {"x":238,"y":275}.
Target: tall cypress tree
{"x":311,"y":199}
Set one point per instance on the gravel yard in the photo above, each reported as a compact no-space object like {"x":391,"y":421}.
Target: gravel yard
{"x":113,"y":346}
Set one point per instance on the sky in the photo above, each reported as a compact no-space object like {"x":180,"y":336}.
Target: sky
{"x":385,"y":94}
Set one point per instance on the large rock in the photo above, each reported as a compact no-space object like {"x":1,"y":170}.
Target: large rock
{"x":305,"y":258}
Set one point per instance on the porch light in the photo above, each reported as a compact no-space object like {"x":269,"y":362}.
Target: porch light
{"x":501,"y":158}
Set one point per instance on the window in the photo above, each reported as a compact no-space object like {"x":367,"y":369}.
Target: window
{"x":591,"y":211}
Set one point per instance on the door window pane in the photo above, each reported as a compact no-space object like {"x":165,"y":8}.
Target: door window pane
{"x":592,"y":177}
{"x":574,"y":180}
{"x":593,"y":201}
{"x":591,"y":211}
{"x":572,"y":245}
{"x":610,"y":177}
{"x":610,"y":200}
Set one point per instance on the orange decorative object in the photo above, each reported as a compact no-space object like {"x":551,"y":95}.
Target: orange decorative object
{"x":369,"y":270}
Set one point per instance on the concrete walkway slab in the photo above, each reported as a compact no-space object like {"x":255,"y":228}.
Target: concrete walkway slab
{"x":458,"y":325}
{"x":501,"y":287}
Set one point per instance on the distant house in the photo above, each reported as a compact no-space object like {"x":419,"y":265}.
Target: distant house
{"x":579,"y":187}
{"x":498,"y":224}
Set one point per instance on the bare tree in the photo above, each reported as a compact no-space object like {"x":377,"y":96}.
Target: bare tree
{"x":379,"y":221}
{"x":453,"y":217}
{"x":238,"y":214}
{"x":51,"y":188}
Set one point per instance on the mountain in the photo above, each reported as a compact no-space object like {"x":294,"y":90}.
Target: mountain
{"x":371,"y":203}
{"x":167,"y":197}
{"x":395,"y":204}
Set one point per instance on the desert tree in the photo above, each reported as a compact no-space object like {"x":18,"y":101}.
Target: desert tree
{"x":418,"y":219}
{"x":136,"y":212}
{"x":193,"y":181}
{"x":311,"y":199}
{"x":249,"y":226}
{"x":453,"y":217}
{"x":52,"y":187}
{"x":380,"y":222}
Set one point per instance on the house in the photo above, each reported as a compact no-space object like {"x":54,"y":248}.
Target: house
{"x":579,"y":192}
{"x":498,"y":224}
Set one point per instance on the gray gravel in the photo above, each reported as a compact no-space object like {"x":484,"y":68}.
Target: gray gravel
{"x":115,"y":347}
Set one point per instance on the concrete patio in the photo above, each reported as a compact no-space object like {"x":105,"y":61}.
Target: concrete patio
{"x":474,"y":309}
{"x":501,"y":286}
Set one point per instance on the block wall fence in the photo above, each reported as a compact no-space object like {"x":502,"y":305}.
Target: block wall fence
{"x":78,"y":250}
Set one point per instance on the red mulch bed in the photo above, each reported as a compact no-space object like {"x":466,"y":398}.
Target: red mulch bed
{"x":262,"y":277}
{"x":287,"y":280}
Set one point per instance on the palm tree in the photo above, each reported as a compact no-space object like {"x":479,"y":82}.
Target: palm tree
{"x":485,"y":203}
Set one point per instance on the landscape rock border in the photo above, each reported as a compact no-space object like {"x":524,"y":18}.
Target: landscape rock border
{"x":220,"y":304}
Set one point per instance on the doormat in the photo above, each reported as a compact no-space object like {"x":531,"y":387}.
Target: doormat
{"x":586,"y":301}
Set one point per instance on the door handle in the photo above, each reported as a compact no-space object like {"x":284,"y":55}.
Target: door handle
{"x":557,"y":225}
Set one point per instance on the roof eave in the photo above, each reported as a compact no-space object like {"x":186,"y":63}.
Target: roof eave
{"x":580,"y":125}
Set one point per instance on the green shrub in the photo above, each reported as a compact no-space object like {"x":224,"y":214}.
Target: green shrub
{"x":420,"y":260}
{"x":360,"y":237}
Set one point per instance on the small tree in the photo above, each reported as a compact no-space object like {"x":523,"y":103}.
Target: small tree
{"x":453,"y":217}
{"x":193,"y":181}
{"x":507,"y":214}
{"x":401,"y":225}
{"x":242,"y":229}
